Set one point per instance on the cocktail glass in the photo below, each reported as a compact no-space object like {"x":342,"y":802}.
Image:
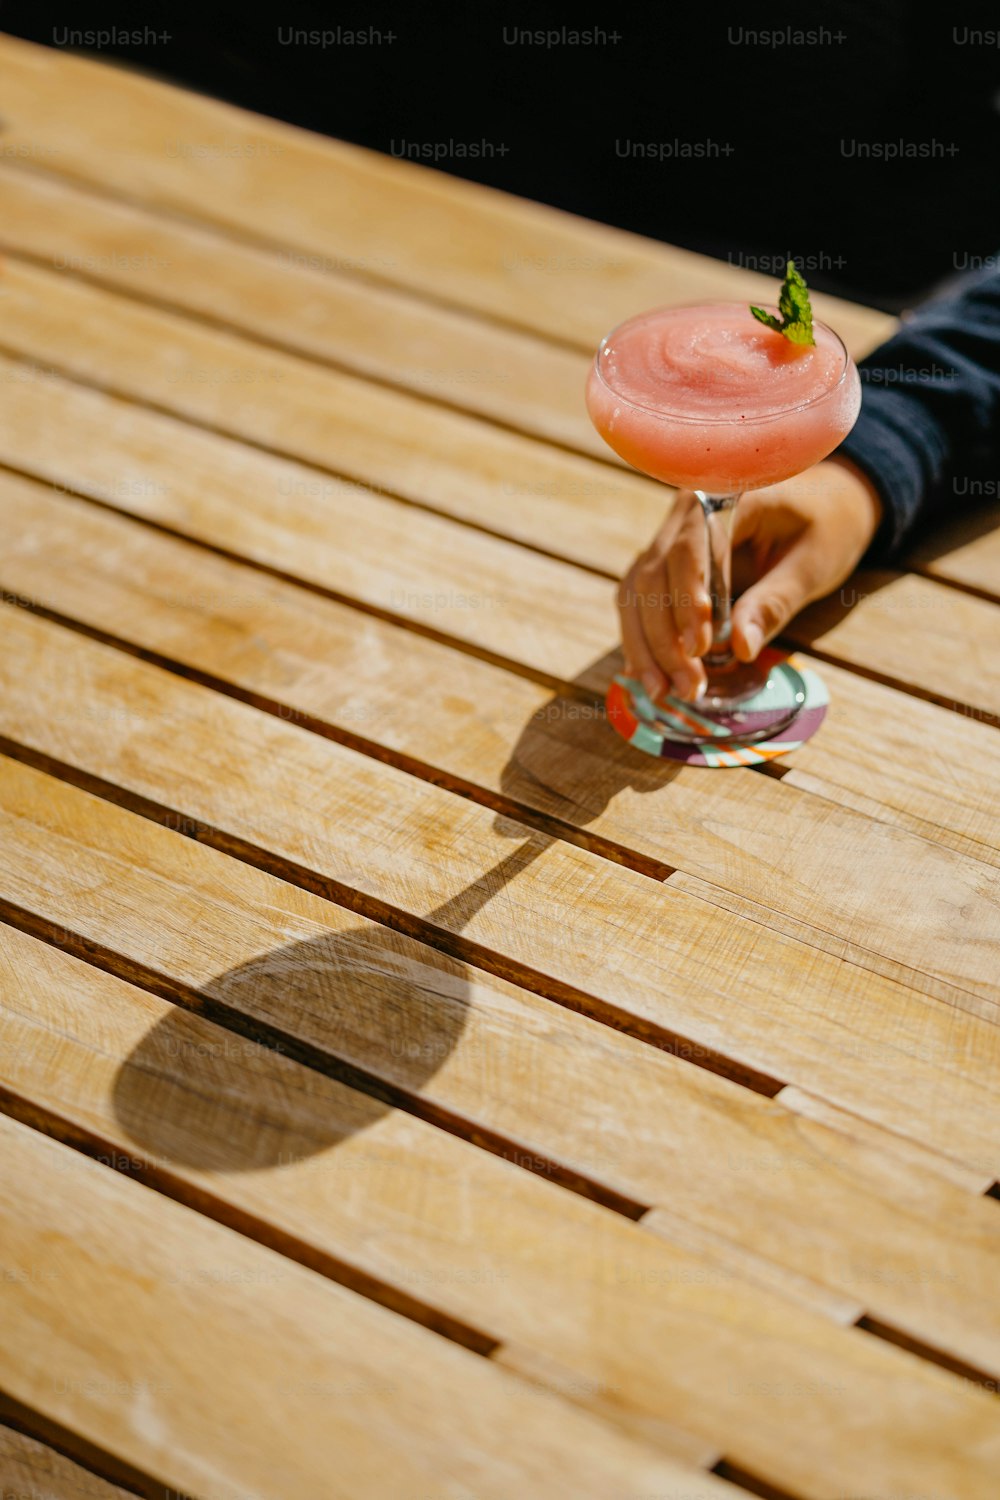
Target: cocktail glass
{"x":709,"y":399}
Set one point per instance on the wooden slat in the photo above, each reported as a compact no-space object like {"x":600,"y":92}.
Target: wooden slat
{"x":896,"y":758}
{"x":392,"y":850}
{"x":30,"y":1470}
{"x":463,"y":244}
{"x":310,"y":657}
{"x":636,"y":1329}
{"x":899,"y":759}
{"x":377,"y":1199}
{"x":514,"y":378}
{"x":965,"y":549}
{"x":736,"y":1163}
{"x":620,"y":1146}
{"x":930,"y":638}
{"x":446,"y":579}
{"x":552,"y":618}
{"x":937,"y":640}
{"x":201,"y":1329}
{"x":381,"y":439}
{"x":817,"y":1108}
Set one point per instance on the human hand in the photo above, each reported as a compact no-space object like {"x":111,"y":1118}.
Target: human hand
{"x":792,"y":543}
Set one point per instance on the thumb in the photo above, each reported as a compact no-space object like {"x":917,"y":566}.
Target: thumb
{"x":771,"y":602}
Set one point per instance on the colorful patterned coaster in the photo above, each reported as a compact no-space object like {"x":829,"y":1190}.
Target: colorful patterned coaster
{"x":647,"y":727}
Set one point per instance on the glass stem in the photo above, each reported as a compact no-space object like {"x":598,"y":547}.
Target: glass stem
{"x":719,"y":512}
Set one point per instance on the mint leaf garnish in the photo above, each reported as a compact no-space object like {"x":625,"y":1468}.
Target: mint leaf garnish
{"x":793,"y":303}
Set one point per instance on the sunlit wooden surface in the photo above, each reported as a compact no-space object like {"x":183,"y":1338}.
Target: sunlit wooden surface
{"x":408,"y":1090}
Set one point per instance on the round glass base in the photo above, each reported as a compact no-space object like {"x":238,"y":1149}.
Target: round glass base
{"x":731,"y":683}
{"x":770,"y":700}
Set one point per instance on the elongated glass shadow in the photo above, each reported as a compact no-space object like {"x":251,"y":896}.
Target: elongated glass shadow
{"x":375,"y":1008}
{"x":368,"y":1004}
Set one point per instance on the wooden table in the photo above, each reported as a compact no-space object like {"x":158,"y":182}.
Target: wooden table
{"x":408,"y":1089}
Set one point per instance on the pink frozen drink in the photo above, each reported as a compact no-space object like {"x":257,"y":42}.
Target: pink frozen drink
{"x":709,"y":398}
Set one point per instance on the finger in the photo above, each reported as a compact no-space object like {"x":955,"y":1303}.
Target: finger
{"x":651,"y":648}
{"x":647,"y":574}
{"x":755,"y":510}
{"x":671,"y":580}
{"x":691,"y":605}
{"x":770,"y":603}
{"x":686,"y":674}
{"x":639,"y":660}
{"x":649,"y":636}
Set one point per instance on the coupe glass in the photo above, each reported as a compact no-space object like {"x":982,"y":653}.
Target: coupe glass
{"x":695,"y":432}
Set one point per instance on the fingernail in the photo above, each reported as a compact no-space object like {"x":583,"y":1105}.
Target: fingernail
{"x":754,"y":637}
{"x":690,"y":638}
{"x":653,"y":683}
{"x":684,"y":686}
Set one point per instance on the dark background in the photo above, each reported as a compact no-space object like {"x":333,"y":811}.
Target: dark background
{"x":886,"y":232}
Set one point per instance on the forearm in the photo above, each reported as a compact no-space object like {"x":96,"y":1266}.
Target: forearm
{"x":930,"y":414}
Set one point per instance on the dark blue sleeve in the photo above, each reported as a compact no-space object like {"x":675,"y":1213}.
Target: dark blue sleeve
{"x":928,"y":436}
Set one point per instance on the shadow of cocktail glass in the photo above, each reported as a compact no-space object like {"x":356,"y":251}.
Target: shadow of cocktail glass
{"x":369,"y":1004}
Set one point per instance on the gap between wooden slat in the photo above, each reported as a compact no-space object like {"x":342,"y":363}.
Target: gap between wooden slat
{"x":441,"y":638}
{"x":519,"y":812}
{"x":947,"y":1362}
{"x":454,"y":945}
{"x":787,"y":642}
{"x":286,"y":455}
{"x":751,"y":1483}
{"x":921,"y":570}
{"x":913,"y":690}
{"x":45,"y":1472}
{"x":297,"y":351}
{"x":100,"y":1461}
{"x":272,"y":246}
{"x":160,"y":1179}
{"x":807,"y":933}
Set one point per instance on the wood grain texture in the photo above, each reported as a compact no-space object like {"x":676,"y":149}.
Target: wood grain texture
{"x":30,"y":1470}
{"x":890,"y":756}
{"x":378,"y":439}
{"x":817,"y":1108}
{"x":965,"y":549}
{"x":936,"y":640}
{"x":551,"y":618}
{"x":896,"y":758}
{"x":306,"y":304}
{"x":915,"y":632}
{"x":200,"y":1326}
{"x":391,"y":375}
{"x":385,"y":1203}
{"x":637,"y":1328}
{"x":734,"y":1162}
{"x":310,"y":657}
{"x":446,"y":579}
{"x":464,"y":244}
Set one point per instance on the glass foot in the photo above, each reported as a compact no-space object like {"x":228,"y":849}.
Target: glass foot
{"x":768,"y":705}
{"x":731,"y":683}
